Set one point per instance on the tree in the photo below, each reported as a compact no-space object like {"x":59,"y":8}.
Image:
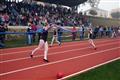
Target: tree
{"x":93,"y":12}
{"x":115,"y":15}
{"x":93,"y":3}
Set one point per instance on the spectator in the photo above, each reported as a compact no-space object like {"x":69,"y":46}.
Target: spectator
{"x":22,"y":13}
{"x":113,"y":33}
{"x":39,"y":26}
{"x":101,"y":32}
{"x":109,"y":31}
{"x":95,"y":32}
{"x":118,"y":31}
{"x":3,"y":28}
{"x":33,"y":28}
{"x":29,"y":35}
{"x":60,"y":35}
{"x":74,"y":33}
{"x":81,"y":32}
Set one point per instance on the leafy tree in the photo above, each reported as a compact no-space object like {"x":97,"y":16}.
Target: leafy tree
{"x":93,"y":12}
{"x":115,"y":15}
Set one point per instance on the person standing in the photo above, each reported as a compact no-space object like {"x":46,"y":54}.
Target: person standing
{"x":3,"y":29}
{"x":60,"y":35}
{"x":74,"y":33}
{"x":1,"y":37}
{"x":81,"y":29}
{"x":33,"y":28}
{"x":118,"y":31}
{"x":29,"y":35}
{"x":95,"y":32}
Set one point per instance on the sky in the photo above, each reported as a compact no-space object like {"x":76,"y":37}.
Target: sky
{"x":104,"y":4}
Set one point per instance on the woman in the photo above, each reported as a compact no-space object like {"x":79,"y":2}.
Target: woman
{"x":74,"y":32}
{"x":43,"y":43}
{"x":90,"y":37}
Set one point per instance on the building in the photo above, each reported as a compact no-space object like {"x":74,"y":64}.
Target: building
{"x":115,"y":10}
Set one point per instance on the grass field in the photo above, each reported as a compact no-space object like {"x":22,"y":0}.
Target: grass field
{"x":17,"y":40}
{"x":104,"y":21}
{"x":109,"y":71}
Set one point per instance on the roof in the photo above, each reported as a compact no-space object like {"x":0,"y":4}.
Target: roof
{"x":70,"y":3}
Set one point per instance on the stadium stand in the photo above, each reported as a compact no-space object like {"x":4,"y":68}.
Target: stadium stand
{"x":24,"y":13}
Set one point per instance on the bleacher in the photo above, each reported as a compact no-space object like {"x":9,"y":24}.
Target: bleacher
{"x":19,"y":16}
{"x":23,"y":13}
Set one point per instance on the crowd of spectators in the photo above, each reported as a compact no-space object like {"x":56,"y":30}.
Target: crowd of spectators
{"x":24,"y":13}
{"x":21,"y":14}
{"x":102,"y":31}
{"x":98,"y":32}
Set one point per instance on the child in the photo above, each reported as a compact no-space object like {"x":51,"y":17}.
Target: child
{"x":90,"y":37}
{"x":43,"y":43}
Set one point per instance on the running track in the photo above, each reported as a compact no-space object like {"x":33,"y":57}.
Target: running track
{"x":70,"y":58}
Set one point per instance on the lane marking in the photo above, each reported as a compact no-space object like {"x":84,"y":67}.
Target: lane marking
{"x":33,"y":67}
{"x":11,"y":60}
{"x":27,"y":47}
{"x":82,"y":71}
{"x":42,"y":49}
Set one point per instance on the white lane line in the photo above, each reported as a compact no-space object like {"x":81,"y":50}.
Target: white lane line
{"x":51,"y":48}
{"x":15,"y":52}
{"x":63,"y":44}
{"x":41,"y":49}
{"x":32,"y":67}
{"x":54,"y":53}
{"x":27,"y":47}
{"x":42,"y":55}
{"x":88,"y":69}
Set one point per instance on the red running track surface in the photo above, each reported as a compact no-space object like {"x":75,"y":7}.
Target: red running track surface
{"x":69,"y":58}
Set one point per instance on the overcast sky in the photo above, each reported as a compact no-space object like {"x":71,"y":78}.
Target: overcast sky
{"x":104,"y":4}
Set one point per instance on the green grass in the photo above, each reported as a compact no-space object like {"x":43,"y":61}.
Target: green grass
{"x":104,"y":21}
{"x":110,"y":71}
{"x":23,"y":42}
{"x":17,"y":40}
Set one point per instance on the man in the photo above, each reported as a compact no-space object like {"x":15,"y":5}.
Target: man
{"x":81,"y":32}
{"x":74,"y":33}
{"x":59,"y":35}
{"x":95,"y":32}
{"x":3,"y":28}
